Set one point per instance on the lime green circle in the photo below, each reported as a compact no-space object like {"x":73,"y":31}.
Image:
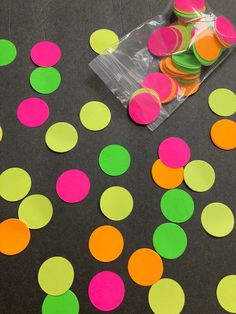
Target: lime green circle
{"x":66,"y":303}
{"x":45,"y":80}
{"x":95,"y":115}
{"x":114,"y":160}
{"x":8,"y":52}
{"x":186,"y":37}
{"x":116,"y":203}
{"x":177,"y":205}
{"x":56,"y":275}
{"x":15,"y":184}
{"x":169,"y":240}
{"x":1,"y":133}
{"x":61,"y":137}
{"x":199,"y":175}
{"x":166,"y":296}
{"x":186,"y":60}
{"x":102,"y":40}
{"x":222,"y":101}
{"x":226,"y":292}
{"x":35,"y":211}
{"x":217,"y":219}
{"x":189,"y":16}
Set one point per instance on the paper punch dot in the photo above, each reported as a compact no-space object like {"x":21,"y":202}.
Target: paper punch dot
{"x":56,"y":275}
{"x":223,"y":134}
{"x":103,"y":40}
{"x":189,"y":6}
{"x":15,"y":184}
{"x":8,"y":52}
{"x":222,"y":101}
{"x":45,"y":54}
{"x":145,"y":267}
{"x":1,"y":133}
{"x":225,"y":30}
{"x":45,"y":80}
{"x":106,"y":291}
{"x":225,"y":292}
{"x":162,"y":41}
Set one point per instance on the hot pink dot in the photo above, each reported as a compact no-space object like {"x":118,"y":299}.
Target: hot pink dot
{"x":45,"y":54}
{"x":163,"y":41}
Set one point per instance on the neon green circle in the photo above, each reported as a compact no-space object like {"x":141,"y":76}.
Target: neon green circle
{"x":61,"y":137}
{"x":102,"y":40}
{"x":15,"y":184}
{"x":226,"y":292}
{"x":45,"y":80}
{"x":95,"y":115}
{"x":222,"y":101}
{"x":56,"y":275}
{"x":35,"y":211}
{"x":8,"y":52}
{"x":116,"y":203}
{"x":1,"y":133}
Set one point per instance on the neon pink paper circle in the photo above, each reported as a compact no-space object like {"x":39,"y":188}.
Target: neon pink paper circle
{"x":106,"y":291}
{"x":32,"y":112}
{"x":45,"y":54}
{"x":225,"y":30}
{"x":162,"y":41}
{"x":160,"y":82}
{"x":144,"y":108}
{"x":174,"y":152}
{"x":73,"y":186}
{"x":179,"y":38}
{"x":189,"y":5}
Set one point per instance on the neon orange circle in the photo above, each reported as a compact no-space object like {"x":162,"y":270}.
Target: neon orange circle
{"x":223,"y":134}
{"x":172,"y":93}
{"x":207,"y":45}
{"x":188,"y":89}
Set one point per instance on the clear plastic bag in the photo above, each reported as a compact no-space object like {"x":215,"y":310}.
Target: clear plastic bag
{"x":123,"y":69}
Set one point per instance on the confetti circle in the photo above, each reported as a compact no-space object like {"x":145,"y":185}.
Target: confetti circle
{"x":223,"y":134}
{"x":225,"y":30}
{"x":56,"y":275}
{"x":14,"y":236}
{"x":169,"y":240}
{"x":8,"y":52}
{"x":32,"y":112}
{"x":116,"y":203}
{"x":45,"y":80}
{"x":188,"y":89}
{"x":217,"y":219}
{"x":45,"y":54}
{"x":177,"y":205}
{"x":106,"y":243}
{"x":102,"y":40}
{"x":199,"y":175}
{"x":15,"y":184}
{"x":95,"y":116}
{"x":163,"y":41}
{"x":226,"y":291}
{"x":106,"y":291}
{"x":166,"y":296}
{"x":189,"y":6}
{"x":145,"y":267}
{"x":61,"y":137}
{"x":174,"y":152}
{"x":1,"y":133}
{"x":73,"y":186}
{"x":222,"y":101}
{"x":65,"y":303}
{"x":114,"y":160}
{"x":35,"y":211}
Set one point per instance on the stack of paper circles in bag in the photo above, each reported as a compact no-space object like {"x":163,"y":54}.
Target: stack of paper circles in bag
{"x":189,"y":10}
{"x":225,"y":31}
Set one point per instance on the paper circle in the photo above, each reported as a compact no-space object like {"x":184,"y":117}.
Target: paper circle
{"x":1,"y":133}
{"x":114,"y":160}
{"x":56,"y":275}
{"x":8,"y":52}
{"x":45,"y":54}
{"x":73,"y":186}
{"x":95,"y":115}
{"x":106,"y":291}
{"x":189,"y":6}
{"x":199,"y":175}
{"x":217,"y":219}
{"x":65,"y":303}
{"x":35,"y":211}
{"x":166,"y":297}
{"x":14,"y":236}
{"x":225,"y":30}
{"x":207,"y":46}
{"x":106,"y":243}
{"x":45,"y":80}
{"x":222,"y":101}
{"x":102,"y":40}
{"x":188,"y":89}
{"x":223,"y":134}
{"x":177,"y":205}
{"x":174,"y":152}
{"x":162,"y":41}
{"x":61,"y":137}
{"x":169,"y":240}
{"x":32,"y":112}
{"x":226,"y":291}
{"x":116,"y":203}
{"x":145,"y":267}
{"x":15,"y":184}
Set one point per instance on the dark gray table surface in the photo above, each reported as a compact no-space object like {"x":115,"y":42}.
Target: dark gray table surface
{"x":70,"y":23}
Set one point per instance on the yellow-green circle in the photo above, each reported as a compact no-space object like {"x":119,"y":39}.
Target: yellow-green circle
{"x":116,"y":203}
{"x":61,"y":137}
{"x":45,"y":80}
{"x":222,"y":101}
{"x":226,"y":293}
{"x":103,"y":40}
{"x":8,"y":52}
{"x":217,"y":219}
{"x":35,"y":211}
{"x":56,"y":275}
{"x":15,"y":184}
{"x":1,"y":133}
{"x":95,"y":115}
{"x":166,"y":296}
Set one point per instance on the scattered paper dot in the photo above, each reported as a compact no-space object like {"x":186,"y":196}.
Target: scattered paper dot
{"x":102,"y":40}
{"x":1,"y":133}
{"x":45,"y":80}
{"x":45,"y":54}
{"x":226,"y":291}
{"x":223,"y":134}
{"x":65,"y":303}
{"x":222,"y":101}
{"x":8,"y":52}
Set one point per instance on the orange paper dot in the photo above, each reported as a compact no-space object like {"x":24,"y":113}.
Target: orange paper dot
{"x":188,"y":89}
{"x":207,"y":45}
{"x":223,"y":134}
